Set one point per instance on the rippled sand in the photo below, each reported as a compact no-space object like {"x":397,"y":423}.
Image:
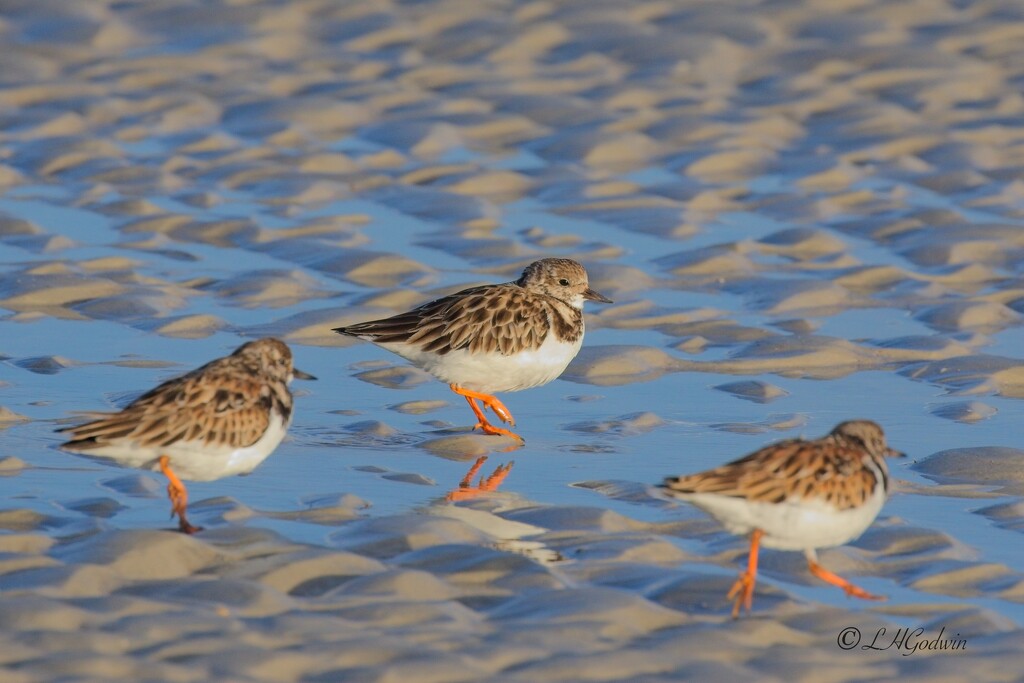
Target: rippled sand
{"x":806,"y":211}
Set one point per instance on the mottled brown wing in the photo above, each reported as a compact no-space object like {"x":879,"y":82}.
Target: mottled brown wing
{"x":489,"y":319}
{"x":217,"y":408}
{"x":794,"y":470}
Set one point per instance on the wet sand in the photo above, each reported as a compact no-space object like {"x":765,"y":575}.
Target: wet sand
{"x":805,"y":212}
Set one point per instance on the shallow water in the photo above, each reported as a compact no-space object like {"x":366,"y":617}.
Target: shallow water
{"x":836,"y":215}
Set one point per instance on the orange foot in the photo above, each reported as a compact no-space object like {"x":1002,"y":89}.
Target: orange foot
{"x":836,"y":580}
{"x":495,"y":405}
{"x":466,"y":489}
{"x":743,"y":589}
{"x":178,"y":495}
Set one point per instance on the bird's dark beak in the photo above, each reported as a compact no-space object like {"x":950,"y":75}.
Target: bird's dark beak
{"x":893,"y":453}
{"x":299,"y":374}
{"x":594,"y":296}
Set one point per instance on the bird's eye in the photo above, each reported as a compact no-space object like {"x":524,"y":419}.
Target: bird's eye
{"x":563,"y":282}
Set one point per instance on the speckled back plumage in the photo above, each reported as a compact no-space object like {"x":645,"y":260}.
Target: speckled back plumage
{"x":501,"y":318}
{"x":228,"y":402}
{"x":842,"y":469}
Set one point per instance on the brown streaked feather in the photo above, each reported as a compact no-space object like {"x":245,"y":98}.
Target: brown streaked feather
{"x":828,"y":469}
{"x":501,"y":319}
{"x":227,"y":402}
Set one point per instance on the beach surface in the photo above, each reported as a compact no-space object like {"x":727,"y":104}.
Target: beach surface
{"x":805,"y":212}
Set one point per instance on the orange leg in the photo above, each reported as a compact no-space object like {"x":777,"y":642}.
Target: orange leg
{"x":466,"y":490}
{"x":490,"y":402}
{"x":178,"y":495}
{"x":836,"y":580}
{"x":743,"y":589}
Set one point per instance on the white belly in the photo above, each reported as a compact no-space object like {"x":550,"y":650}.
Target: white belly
{"x":799,"y":525}
{"x":195,"y":461}
{"x":493,"y":373}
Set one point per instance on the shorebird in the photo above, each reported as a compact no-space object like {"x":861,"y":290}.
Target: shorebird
{"x":494,"y":338}
{"x":221,"y":419}
{"x":796,"y":495}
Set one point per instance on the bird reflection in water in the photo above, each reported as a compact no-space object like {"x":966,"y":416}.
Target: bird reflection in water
{"x":466,"y":490}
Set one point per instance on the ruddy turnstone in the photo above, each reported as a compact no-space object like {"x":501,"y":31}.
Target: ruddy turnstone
{"x":797,"y":495}
{"x":494,"y":338}
{"x":221,"y":419}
